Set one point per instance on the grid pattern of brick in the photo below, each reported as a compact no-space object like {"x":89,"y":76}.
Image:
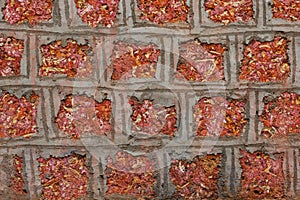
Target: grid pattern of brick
{"x":243,"y":58}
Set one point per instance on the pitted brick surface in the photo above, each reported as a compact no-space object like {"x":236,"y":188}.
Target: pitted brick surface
{"x":208,"y":77}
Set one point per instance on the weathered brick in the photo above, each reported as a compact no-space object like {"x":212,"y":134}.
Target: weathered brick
{"x":97,"y":12}
{"x":32,"y":11}
{"x":63,"y":177}
{"x":131,"y":61}
{"x":229,"y":11}
{"x":19,"y":115}
{"x":11,"y":53}
{"x":161,"y":12}
{"x":280,"y":116}
{"x":95,"y":15}
{"x":201,"y":62}
{"x":216,"y":116}
{"x":12,"y":177}
{"x":82,"y":114}
{"x":262,"y":175}
{"x":266,"y":61}
{"x":130,"y":175}
{"x":288,"y":10}
{"x":71,"y":59}
{"x":97,"y":27}
{"x":132,"y":79}
{"x":197,"y":178}
{"x":152,"y":118}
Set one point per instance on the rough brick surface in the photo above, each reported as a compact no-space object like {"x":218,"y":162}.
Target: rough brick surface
{"x":17,"y":181}
{"x":18,"y":115}
{"x":129,"y":60}
{"x":97,"y":12}
{"x":217,"y":116}
{"x":266,"y":61}
{"x":281,"y":115}
{"x":130,"y":175}
{"x":32,"y":11}
{"x":63,"y":177}
{"x":161,"y":12}
{"x":288,"y":10}
{"x":11,"y":52}
{"x":81,"y":114}
{"x":201,"y":62}
{"x":149,"y":99}
{"x":229,"y":11}
{"x":71,"y":60}
{"x":196,"y":179}
{"x":262,"y":176}
{"x":151,"y":118}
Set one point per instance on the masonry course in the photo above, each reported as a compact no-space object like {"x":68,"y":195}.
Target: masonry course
{"x":95,"y":159}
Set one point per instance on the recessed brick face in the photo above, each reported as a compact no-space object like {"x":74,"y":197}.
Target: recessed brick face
{"x":217,"y":116}
{"x":95,"y":12}
{"x":196,"y":179}
{"x":32,"y":11}
{"x":149,"y":99}
{"x":201,"y":62}
{"x":151,"y":118}
{"x":80,"y":115}
{"x":266,"y":61}
{"x":262,"y":176}
{"x":130,"y":175}
{"x":131,"y":61}
{"x":229,"y":11}
{"x":18,"y":115}
{"x":280,"y":116}
{"x":288,"y":10}
{"x":17,"y":183}
{"x":11,"y":52}
{"x":71,"y":60}
{"x":63,"y":177}
{"x":163,"y":11}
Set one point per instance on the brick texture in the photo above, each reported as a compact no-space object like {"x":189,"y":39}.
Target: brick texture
{"x":139,"y":99}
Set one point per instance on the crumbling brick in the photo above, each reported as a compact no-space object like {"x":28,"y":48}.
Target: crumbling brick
{"x":201,"y":62}
{"x":80,"y":114}
{"x":196,"y":179}
{"x":130,"y":175}
{"x":217,"y":116}
{"x":262,"y":176}
{"x":18,"y":116}
{"x":266,"y":61}
{"x":63,"y":177}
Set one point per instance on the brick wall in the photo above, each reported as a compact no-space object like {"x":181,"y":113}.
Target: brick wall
{"x":151,"y":111}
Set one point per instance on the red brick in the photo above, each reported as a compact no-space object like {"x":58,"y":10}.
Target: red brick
{"x":32,"y":11}
{"x":217,"y":116}
{"x":286,"y":9}
{"x":151,"y":118}
{"x":80,"y":114}
{"x":266,"y":61}
{"x":11,"y":52}
{"x":13,"y":176}
{"x":131,"y":61}
{"x":18,"y":115}
{"x":262,"y":176}
{"x":130,"y":175}
{"x":201,"y":62}
{"x":95,"y":12}
{"x":63,"y":177}
{"x":196,"y":179}
{"x":17,"y":183}
{"x":71,"y":60}
{"x":281,"y":115}
{"x":229,"y":11}
{"x":163,"y":11}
